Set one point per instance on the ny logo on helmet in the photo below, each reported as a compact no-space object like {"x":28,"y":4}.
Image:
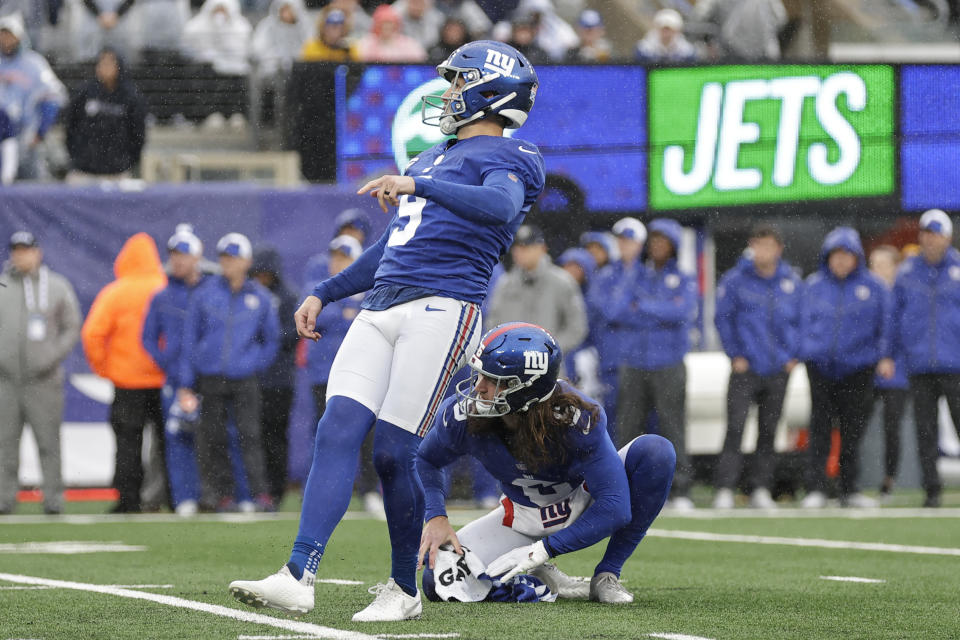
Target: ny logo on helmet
{"x":535,"y":362}
{"x":499,"y":63}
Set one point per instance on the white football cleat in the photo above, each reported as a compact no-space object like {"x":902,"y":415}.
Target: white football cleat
{"x":724,"y":499}
{"x":280,"y":591}
{"x":681,"y":503}
{"x":814,"y":500}
{"x":392,"y":604}
{"x":564,"y":586}
{"x":605,"y":587}
{"x":187,"y":508}
{"x":761,"y":499}
{"x":859,"y":501}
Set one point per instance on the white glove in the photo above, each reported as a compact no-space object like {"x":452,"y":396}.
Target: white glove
{"x":517,"y":561}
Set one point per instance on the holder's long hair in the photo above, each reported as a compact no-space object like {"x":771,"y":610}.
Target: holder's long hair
{"x":539,"y":439}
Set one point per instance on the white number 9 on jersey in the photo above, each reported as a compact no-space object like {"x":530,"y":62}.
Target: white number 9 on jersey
{"x":410,"y":207}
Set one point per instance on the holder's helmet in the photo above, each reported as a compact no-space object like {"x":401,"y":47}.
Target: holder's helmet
{"x":523,"y":359}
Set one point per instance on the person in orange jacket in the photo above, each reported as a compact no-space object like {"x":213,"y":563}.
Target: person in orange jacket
{"x":112,"y":343}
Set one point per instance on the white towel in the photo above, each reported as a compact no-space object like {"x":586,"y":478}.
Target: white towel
{"x":457,"y":578}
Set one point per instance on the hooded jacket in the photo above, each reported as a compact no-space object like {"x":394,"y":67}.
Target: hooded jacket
{"x":845,"y":324}
{"x":105,"y":129}
{"x":657,"y":307}
{"x":399,"y":48}
{"x":276,"y":44}
{"x":280,"y":373}
{"x":228,"y":333}
{"x":927,"y":314}
{"x":112,"y":331}
{"x":225,"y":44}
{"x":758,"y":318}
{"x":32,"y":94}
{"x":22,"y":359}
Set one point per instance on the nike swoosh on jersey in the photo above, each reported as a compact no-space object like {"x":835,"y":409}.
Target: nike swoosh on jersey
{"x":525,"y":150}
{"x":429,"y":308}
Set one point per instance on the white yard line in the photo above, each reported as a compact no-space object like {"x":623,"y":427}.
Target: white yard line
{"x":314,"y":630}
{"x":379,"y":635}
{"x":68,"y":547}
{"x":802,"y":542}
{"x":676,"y":636}
{"x":853,"y":579}
{"x":418,"y":635}
{"x":338,"y":581}
{"x":116,"y":586}
{"x":275,"y":637}
{"x":140,"y":586}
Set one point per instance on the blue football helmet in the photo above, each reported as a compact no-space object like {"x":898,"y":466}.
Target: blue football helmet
{"x":523,"y":359}
{"x":497,"y":79}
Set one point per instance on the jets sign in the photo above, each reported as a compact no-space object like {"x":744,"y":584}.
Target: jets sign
{"x":745,"y":135}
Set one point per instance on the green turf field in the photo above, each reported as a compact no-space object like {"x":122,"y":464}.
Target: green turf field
{"x":733,"y":577}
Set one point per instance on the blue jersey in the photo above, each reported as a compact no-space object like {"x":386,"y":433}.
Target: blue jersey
{"x":432,"y":247}
{"x":471,"y":196}
{"x":591,"y":459}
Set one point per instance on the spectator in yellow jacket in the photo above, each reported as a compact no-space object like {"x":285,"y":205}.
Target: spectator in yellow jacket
{"x":331,"y":43}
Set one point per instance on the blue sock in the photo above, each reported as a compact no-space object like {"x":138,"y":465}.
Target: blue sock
{"x":326,"y":495}
{"x":394,"y":451}
{"x":650,"y":464}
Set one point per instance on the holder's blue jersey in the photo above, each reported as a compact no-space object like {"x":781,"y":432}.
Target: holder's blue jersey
{"x":431,"y":247}
{"x":591,"y":458}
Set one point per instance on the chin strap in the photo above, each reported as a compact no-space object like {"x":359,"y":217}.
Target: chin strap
{"x":449,"y":124}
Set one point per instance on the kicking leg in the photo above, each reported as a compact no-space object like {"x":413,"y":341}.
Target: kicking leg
{"x":355,"y":391}
{"x":326,"y":495}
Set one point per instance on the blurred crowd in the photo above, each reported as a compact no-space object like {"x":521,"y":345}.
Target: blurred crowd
{"x":202,"y":355}
{"x":261,"y":39}
{"x":235,"y":34}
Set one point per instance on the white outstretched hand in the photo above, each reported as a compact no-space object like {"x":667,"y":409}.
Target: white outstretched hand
{"x":517,"y":561}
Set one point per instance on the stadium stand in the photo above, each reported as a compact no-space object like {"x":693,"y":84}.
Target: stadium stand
{"x":174,"y":87}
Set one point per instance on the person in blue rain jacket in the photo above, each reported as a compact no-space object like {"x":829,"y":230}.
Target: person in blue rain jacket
{"x":758,"y":320}
{"x":844,"y":337}
{"x":162,"y":336}
{"x":927,"y":317}
{"x":657,"y":307}
{"x":230,"y":335}
{"x":609,"y":283}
